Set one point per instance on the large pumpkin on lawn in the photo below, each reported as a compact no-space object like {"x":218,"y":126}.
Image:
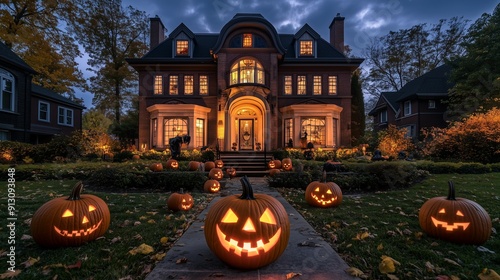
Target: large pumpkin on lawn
{"x":72,"y":221}
{"x":247,"y":231}
{"x":323,"y":194}
{"x":180,"y":201}
{"x":455,"y":219}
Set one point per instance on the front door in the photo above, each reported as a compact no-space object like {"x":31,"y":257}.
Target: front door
{"x":246,"y":134}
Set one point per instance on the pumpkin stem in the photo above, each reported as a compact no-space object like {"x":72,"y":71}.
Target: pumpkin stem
{"x":451,"y":191}
{"x":77,"y":190}
{"x":247,"y":189}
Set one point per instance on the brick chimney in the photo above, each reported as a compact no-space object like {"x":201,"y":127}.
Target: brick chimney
{"x":337,"y":33}
{"x":157,"y":32}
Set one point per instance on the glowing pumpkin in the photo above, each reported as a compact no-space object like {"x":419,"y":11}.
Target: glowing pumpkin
{"x":231,"y":172}
{"x":193,"y":165}
{"x":453,"y":219}
{"x":209,"y":165}
{"x":71,"y":221}
{"x":274,"y":164}
{"x":287,"y":164}
{"x":323,"y":194}
{"x":156,"y":167}
{"x":180,"y":201}
{"x":247,"y":231}
{"x":172,"y":164}
{"x":211,"y":186}
{"x":219,"y":163}
{"x":216,"y":174}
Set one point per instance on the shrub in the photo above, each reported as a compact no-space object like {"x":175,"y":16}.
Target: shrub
{"x":393,"y":140}
{"x":281,"y":154}
{"x":11,"y":152}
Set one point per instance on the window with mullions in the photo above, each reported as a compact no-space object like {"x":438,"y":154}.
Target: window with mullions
{"x":203,"y":85}
{"x":7,"y":91}
{"x":247,"y":71}
{"x":288,"y":85}
{"x":306,"y":48}
{"x":182,"y":47}
{"x":288,"y":132}
{"x":43,"y":111}
{"x":174,"y":127}
{"x":332,"y":85}
{"x":174,"y":85}
{"x":301,"y":85}
{"x":199,"y":135}
{"x":65,"y":116}
{"x":313,"y":129}
{"x":188,"y":85}
{"x":158,"y":86}
{"x":317,"y":85}
{"x":247,"y":40}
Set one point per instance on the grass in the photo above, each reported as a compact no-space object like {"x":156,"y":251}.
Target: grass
{"x":366,"y":227}
{"x":362,"y":229}
{"x":136,"y":218}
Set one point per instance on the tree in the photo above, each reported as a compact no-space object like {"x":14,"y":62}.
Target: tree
{"x":109,"y":34}
{"x":31,"y":28}
{"x":477,"y":74}
{"x":358,"y":108}
{"x":128,"y":130}
{"x":96,"y":121}
{"x":401,"y":56}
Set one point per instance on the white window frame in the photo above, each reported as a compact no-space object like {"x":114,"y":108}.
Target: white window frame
{"x":67,"y":114}
{"x":407,"y":108}
{"x":40,"y":102}
{"x":4,"y":76}
{"x":432,"y":104}
{"x":383,"y":116}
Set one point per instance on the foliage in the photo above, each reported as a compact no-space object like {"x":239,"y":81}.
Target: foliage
{"x":32,"y":29}
{"x":94,"y":120}
{"x":281,"y":154}
{"x":358,"y":109}
{"x":454,"y":167}
{"x":476,"y":138}
{"x":109,"y":34}
{"x":394,"y":140}
{"x":127,"y":130}
{"x":477,"y":75}
{"x":11,"y":151}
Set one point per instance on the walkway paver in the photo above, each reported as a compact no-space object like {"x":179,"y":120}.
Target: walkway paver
{"x":318,"y":261}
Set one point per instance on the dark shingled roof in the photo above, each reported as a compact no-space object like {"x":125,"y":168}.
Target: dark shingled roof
{"x":433,"y":83}
{"x":8,"y":55}
{"x":390,"y":98}
{"x":49,"y":94}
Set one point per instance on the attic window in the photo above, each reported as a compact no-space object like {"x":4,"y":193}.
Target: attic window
{"x":247,"y":40}
{"x":306,"y":47}
{"x":182,"y":47}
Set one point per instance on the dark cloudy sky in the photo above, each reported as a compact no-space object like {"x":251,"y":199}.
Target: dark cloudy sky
{"x":364,"y":19}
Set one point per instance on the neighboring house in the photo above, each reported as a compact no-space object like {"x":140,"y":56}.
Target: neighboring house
{"x":245,"y":88}
{"x":30,"y":113}
{"x":418,"y":104}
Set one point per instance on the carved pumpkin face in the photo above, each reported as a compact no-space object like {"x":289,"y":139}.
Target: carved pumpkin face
{"x":216,"y":174}
{"x":180,"y":201}
{"x":219,"y":163}
{"x":326,"y":194}
{"x":453,"y":219}
{"x":247,"y":231}
{"x":287,"y":164}
{"x":172,"y":164}
{"x":271,"y":164}
{"x":211,"y":186}
{"x":70,"y":221}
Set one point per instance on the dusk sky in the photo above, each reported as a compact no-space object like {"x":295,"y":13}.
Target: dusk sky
{"x":364,"y":19}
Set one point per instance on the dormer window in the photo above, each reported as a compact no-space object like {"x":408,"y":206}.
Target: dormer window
{"x":306,"y":47}
{"x":182,"y":47}
{"x":247,"y":71}
{"x":247,"y":40}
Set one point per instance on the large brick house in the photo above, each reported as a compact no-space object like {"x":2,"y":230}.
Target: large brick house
{"x":418,"y":104}
{"x":246,"y":87}
{"x":30,"y":113}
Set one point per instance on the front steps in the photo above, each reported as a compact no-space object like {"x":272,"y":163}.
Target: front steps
{"x":252,"y":164}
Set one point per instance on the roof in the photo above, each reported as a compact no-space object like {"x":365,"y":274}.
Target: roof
{"x":7,"y":55}
{"x":433,"y":83}
{"x":49,"y":94}
{"x":390,"y":98}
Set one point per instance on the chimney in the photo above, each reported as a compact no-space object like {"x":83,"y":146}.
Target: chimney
{"x":337,"y":33}
{"x":157,"y":32}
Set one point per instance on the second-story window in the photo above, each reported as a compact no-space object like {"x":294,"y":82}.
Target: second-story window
{"x":288,"y":85}
{"x":332,"y":85}
{"x":158,"y":86}
{"x":174,"y":85}
{"x":43,"y":111}
{"x":407,"y":108}
{"x":247,"y":40}
{"x":247,"y":71}
{"x":301,"y":85}
{"x":317,"y":85}
{"x":203,"y":85}
{"x":188,"y":85}
{"x":182,"y":47}
{"x":306,"y":47}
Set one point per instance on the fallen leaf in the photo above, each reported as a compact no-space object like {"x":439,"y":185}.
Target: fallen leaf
{"x":78,"y":264}
{"x":136,"y":223}
{"x":138,"y":237}
{"x":488,"y":274}
{"x":484,"y":249}
{"x":26,"y":237}
{"x":142,"y":249}
{"x":163,"y":240}
{"x":387,"y":265}
{"x":430,"y":267}
{"x":353,"y":271}
{"x":31,"y":261}
{"x":55,"y":265}
{"x":181,"y":260}
{"x":292,"y":274}
{"x":451,"y":261}
{"x":146,"y":270}
{"x":380,"y":247}
{"x":116,"y":239}
{"x":152,"y":213}
{"x":362,"y":235}
{"x":158,"y":256}
{"x":10,"y":274}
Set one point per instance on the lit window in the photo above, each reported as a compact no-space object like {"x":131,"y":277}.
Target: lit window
{"x":407,"y":108}
{"x":158,"y":87}
{"x":174,"y":127}
{"x":317,"y":85}
{"x":43,"y":111}
{"x":383,"y":117}
{"x":199,"y":139}
{"x":332,"y":85}
{"x":247,"y":71}
{"x":174,"y":85}
{"x":203,"y":85}
{"x":247,"y":40}
{"x":313,"y":130}
{"x":182,"y":47}
{"x":188,"y":85}
{"x":65,"y":116}
{"x":7,"y":91}
{"x":301,"y":85}
{"x":289,"y":133}
{"x":306,"y":47}
{"x":288,"y":85}
{"x":432,"y":104}
{"x":155,"y":132}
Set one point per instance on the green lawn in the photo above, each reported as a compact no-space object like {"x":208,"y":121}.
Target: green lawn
{"x":362,"y":229}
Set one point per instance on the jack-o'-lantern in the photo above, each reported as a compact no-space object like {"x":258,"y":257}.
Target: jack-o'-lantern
{"x":323,"y":194}
{"x":247,"y":231}
{"x":274,"y":172}
{"x":231,"y":172}
{"x":193,"y":165}
{"x":71,"y":221}
{"x":287,"y":164}
{"x":274,"y":164}
{"x":216,"y":174}
{"x":156,"y":167}
{"x":209,"y":165}
{"x":211,"y":186}
{"x":219,"y":163}
{"x":180,"y":201}
{"x":453,"y":219}
{"x":172,"y":164}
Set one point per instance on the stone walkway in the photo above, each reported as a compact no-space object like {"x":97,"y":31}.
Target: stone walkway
{"x":318,"y":261}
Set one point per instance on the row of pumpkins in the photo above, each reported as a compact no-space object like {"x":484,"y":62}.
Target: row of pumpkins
{"x":250,"y":230}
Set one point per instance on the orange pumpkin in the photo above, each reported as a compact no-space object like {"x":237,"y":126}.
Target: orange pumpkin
{"x":172,"y":164}
{"x":247,"y":231}
{"x":455,"y":219}
{"x":209,"y":165}
{"x":193,"y":165}
{"x":216,"y":174}
{"x":71,"y":221}
{"x":274,"y":171}
{"x":211,"y":186}
{"x":274,"y":164}
{"x":231,"y":172}
{"x":219,"y":163}
{"x":180,"y":201}
{"x":287,"y":164}
{"x":156,"y":167}
{"x":136,"y":157}
{"x":323,"y":194}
